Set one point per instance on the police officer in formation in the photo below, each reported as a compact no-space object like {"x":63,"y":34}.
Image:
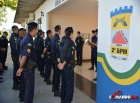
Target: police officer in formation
{"x":55,"y":41}
{"x":15,"y":57}
{"x":40,"y":52}
{"x":79,"y":48}
{"x":22,"y":34}
{"x":65,"y":57}
{"x":28,"y":61}
{"x":47,"y":55}
{"x":4,"y":42}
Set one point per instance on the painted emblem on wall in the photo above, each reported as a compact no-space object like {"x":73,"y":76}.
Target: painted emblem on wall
{"x":120,"y":25}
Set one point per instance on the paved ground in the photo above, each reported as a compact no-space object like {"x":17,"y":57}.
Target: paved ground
{"x":43,"y":92}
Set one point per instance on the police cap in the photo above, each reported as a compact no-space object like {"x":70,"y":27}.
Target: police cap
{"x":21,"y":29}
{"x":14,"y":26}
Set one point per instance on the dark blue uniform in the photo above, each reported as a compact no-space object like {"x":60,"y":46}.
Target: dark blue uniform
{"x":94,"y":52}
{"x":27,"y":49}
{"x":55,"y":41}
{"x":48,"y":58}
{"x":66,"y":53}
{"x":4,"y":54}
{"x":40,"y":52}
{"x":14,"y":53}
{"x":22,"y":82}
{"x":79,"y":48}
{"x":36,"y":46}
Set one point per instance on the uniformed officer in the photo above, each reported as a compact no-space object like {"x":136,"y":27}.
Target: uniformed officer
{"x":22,"y":84}
{"x":55,"y":41}
{"x":79,"y":48}
{"x":47,"y":55}
{"x":28,"y":61}
{"x":66,"y":64}
{"x":4,"y":45}
{"x":93,"y":50}
{"x":96,"y":32}
{"x":15,"y":57}
{"x":40,"y":51}
{"x":36,"y":46}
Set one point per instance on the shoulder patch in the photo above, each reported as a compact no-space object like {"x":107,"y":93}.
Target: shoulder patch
{"x":29,"y":44}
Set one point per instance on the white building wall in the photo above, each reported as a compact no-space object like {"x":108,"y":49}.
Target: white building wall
{"x":46,"y":7}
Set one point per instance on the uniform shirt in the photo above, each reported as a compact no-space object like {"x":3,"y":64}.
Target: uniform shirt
{"x":79,"y":41}
{"x":94,"y":40}
{"x":70,"y":54}
{"x":36,"y":42}
{"x":13,"y":40}
{"x":40,"y":45}
{"x":55,"y":41}
{"x":18,"y":44}
{"x":27,"y":48}
{"x":4,"y":42}
{"x":48,"y":44}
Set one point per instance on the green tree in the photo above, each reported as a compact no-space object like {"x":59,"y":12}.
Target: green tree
{"x":4,"y":4}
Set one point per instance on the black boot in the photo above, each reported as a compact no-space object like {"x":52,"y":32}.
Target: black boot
{"x":15,"y":85}
{"x":63,"y":101}
{"x":57,"y":93}
{"x":92,"y":68}
{"x":22,"y":98}
{"x":49,"y":82}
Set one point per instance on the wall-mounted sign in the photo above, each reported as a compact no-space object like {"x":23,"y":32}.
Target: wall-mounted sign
{"x":58,"y":2}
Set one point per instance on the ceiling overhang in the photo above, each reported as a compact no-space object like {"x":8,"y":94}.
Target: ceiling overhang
{"x":25,"y":7}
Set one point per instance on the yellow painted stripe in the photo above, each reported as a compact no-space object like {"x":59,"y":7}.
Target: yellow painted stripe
{"x":128,"y":81}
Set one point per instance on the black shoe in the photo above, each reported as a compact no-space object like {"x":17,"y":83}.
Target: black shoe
{"x":1,"y":77}
{"x":95,"y":79}
{"x":49,"y":82}
{"x":63,"y":101}
{"x":53,"y":89}
{"x":42,"y":75}
{"x":45,"y":80}
{"x":1,"y":74}
{"x":57,"y":93}
{"x":15,"y":85}
{"x":80,"y":64}
{"x":4,"y":69}
{"x":1,"y":81}
{"x":91,"y":68}
{"x":1,"y":71}
{"x":22,"y":98}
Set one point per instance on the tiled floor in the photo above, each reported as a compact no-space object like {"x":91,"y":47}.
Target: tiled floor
{"x":43,"y":92}
{"x":83,"y":71}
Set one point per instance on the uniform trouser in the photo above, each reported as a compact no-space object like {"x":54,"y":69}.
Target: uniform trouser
{"x":5,"y":56}
{"x":41,"y":65}
{"x":48,"y":68}
{"x":94,"y":58}
{"x":22,"y":84}
{"x":79,"y":54}
{"x":15,"y":68}
{"x":29,"y":78}
{"x":56,"y":76}
{"x":67,"y":87}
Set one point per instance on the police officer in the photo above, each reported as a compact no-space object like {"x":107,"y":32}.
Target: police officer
{"x":15,"y":57}
{"x":79,"y":48}
{"x":40,"y":51}
{"x":36,"y":46}
{"x":28,"y":61}
{"x":55,"y":41}
{"x":66,"y":64}
{"x":96,"y":32}
{"x":22,"y":84}
{"x":47,"y":55}
{"x":93,"y":50}
{"x":4,"y":45}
